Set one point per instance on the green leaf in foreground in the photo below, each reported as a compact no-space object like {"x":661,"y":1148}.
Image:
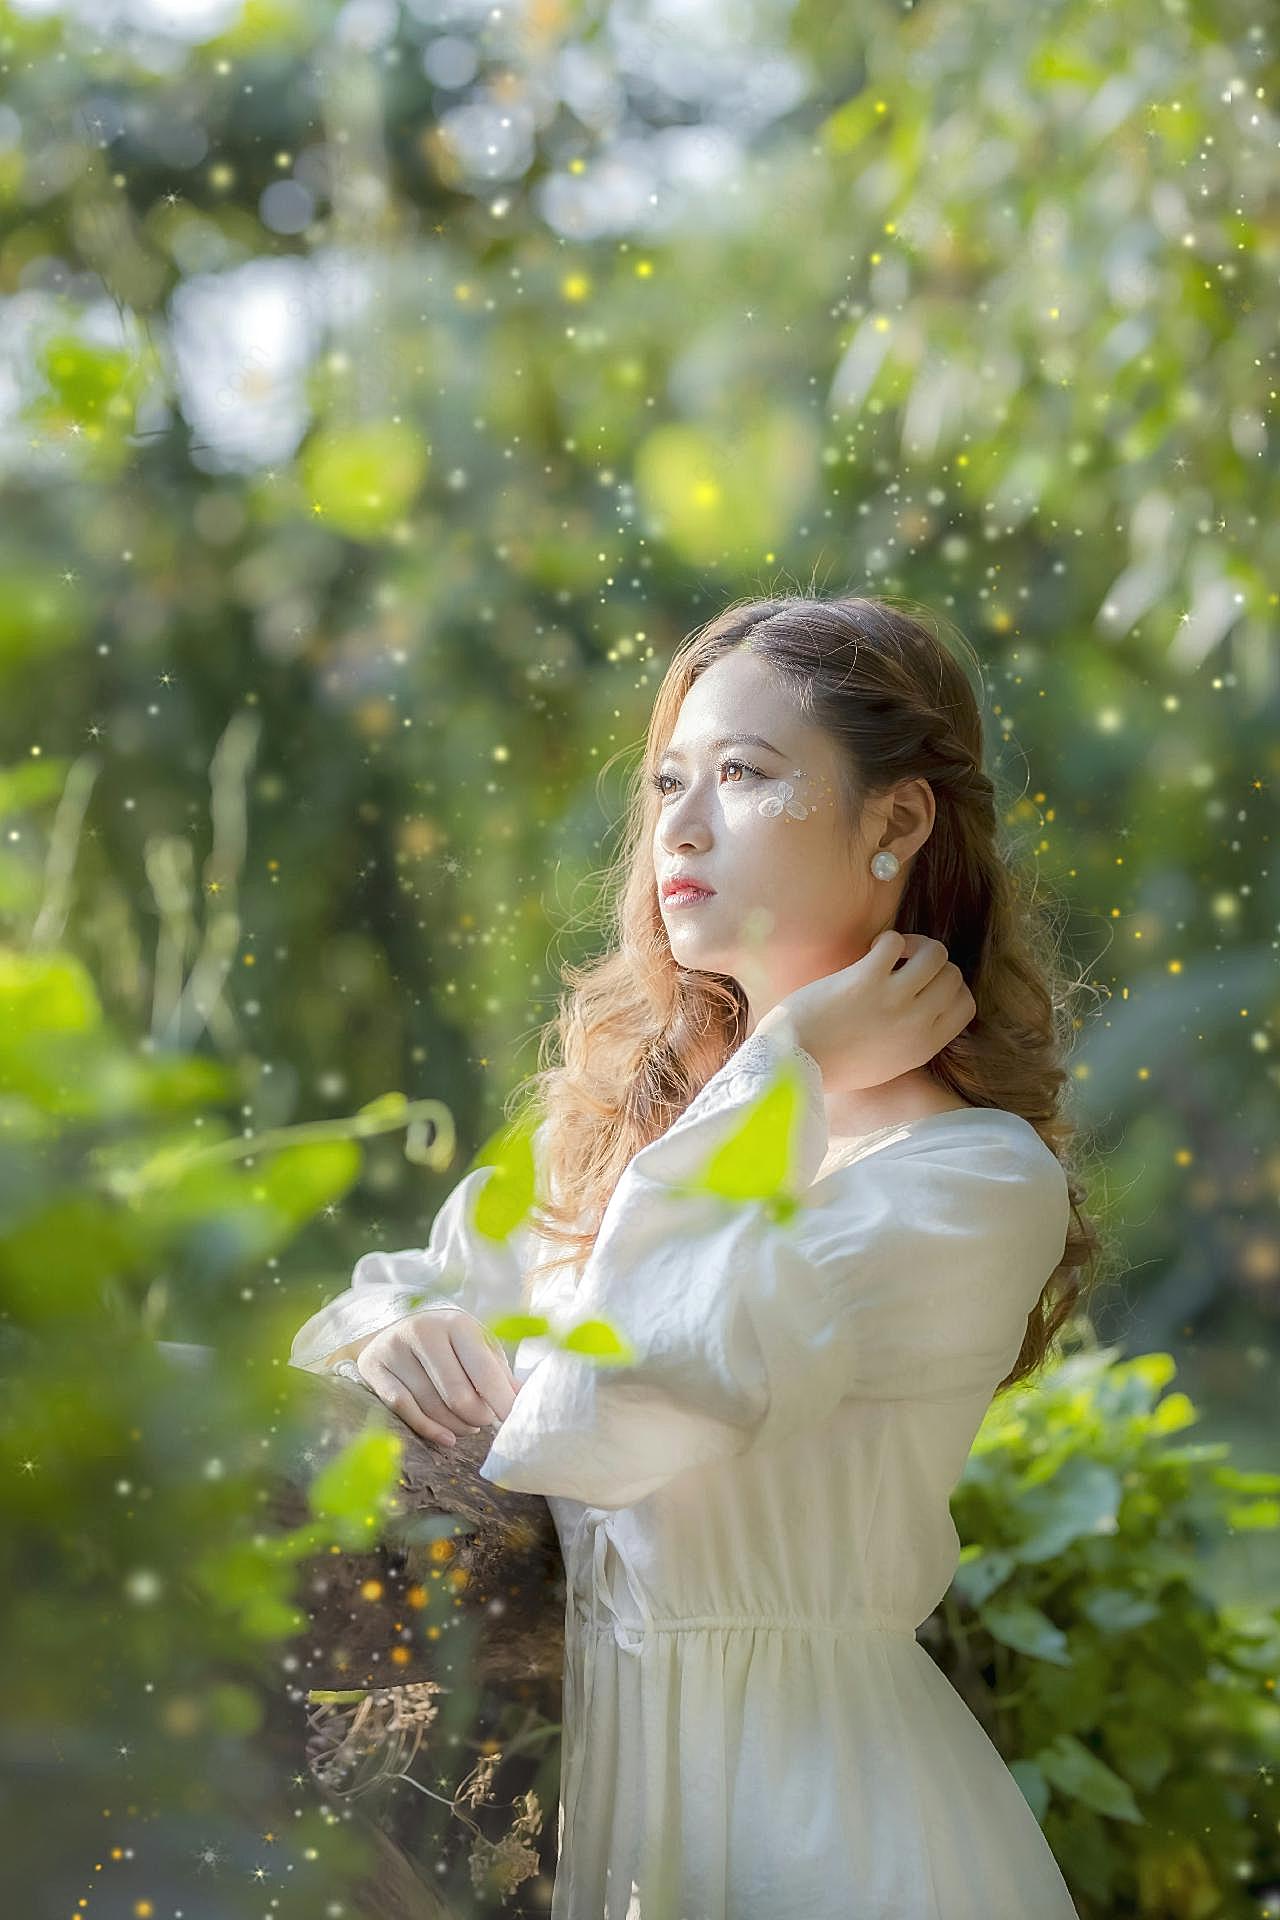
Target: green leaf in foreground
{"x":506,"y":1199}
{"x":601,"y":1341}
{"x":511,"y":1327}
{"x":758,"y":1160}
{"x":353,"y":1492}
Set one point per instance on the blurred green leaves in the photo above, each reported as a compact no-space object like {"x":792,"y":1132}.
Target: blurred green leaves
{"x":143,"y":1419}
{"x":354,"y":1493}
{"x":758,"y":1159}
{"x":362,"y":479}
{"x":93,"y":389}
{"x":507,"y":1197}
{"x":723,"y":493}
{"x":351,"y":1500}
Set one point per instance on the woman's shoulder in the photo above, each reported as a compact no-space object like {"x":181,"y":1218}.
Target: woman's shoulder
{"x":991,"y":1139}
{"x":948,"y":1188}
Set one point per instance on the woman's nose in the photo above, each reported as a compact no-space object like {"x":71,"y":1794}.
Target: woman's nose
{"x":684,"y":825}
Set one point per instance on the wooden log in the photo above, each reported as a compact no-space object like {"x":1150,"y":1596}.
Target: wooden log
{"x":383,"y":1625}
{"x":503,"y":1567}
{"x":386,"y":1621}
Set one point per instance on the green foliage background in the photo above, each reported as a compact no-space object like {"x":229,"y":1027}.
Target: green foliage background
{"x":386,"y":390}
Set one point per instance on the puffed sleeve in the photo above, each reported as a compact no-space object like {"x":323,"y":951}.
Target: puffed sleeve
{"x":909,"y":1274}
{"x":459,"y":1267}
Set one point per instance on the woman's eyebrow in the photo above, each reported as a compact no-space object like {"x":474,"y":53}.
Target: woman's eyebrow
{"x":729,"y":740}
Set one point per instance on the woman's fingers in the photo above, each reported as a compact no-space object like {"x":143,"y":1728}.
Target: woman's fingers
{"x":442,"y":1372}
{"x":947,"y":999}
{"x":486,"y":1368}
{"x":412,"y":1368}
{"x":923,"y":964}
{"x":396,"y":1394}
{"x":446,"y":1373}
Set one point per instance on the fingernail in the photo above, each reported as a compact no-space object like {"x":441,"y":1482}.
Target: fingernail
{"x":451,"y":1439}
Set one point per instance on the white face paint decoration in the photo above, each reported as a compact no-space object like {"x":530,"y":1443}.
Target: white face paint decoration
{"x":783,"y":800}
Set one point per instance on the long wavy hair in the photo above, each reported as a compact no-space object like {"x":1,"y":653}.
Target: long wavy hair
{"x":638,"y":1035}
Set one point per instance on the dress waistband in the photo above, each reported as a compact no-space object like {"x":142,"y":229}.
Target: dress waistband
{"x":868,"y":1621}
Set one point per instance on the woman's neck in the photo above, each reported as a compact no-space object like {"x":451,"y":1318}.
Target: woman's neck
{"x":910,"y":1097}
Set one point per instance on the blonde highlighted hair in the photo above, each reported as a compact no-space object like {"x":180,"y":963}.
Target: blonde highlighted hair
{"x":637,"y":1035}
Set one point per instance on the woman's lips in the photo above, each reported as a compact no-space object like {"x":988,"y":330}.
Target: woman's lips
{"x":687,"y":897}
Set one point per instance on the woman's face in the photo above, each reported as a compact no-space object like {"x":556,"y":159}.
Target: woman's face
{"x":794,"y":895}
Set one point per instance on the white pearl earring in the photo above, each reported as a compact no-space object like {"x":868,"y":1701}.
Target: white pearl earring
{"x":885,"y":864}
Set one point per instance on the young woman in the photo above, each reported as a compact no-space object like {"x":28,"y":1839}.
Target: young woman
{"x":754,"y":1513}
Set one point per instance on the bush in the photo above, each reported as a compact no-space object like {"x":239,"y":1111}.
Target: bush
{"x":1138,"y":1715}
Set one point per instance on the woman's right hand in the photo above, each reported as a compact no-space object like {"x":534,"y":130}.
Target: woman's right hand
{"x":442,"y":1372}
{"x":872,"y":1021}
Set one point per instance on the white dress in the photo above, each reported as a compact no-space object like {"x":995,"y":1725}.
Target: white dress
{"x":754,"y":1516}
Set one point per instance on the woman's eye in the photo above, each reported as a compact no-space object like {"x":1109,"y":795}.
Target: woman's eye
{"x":742,"y":765}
